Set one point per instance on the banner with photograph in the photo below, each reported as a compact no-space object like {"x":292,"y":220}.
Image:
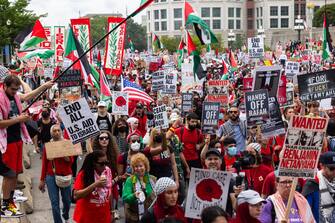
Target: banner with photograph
{"x":316,"y":86}
{"x":160,"y":117}
{"x":59,"y":32}
{"x":303,"y":145}
{"x":210,"y":117}
{"x":82,"y":30}
{"x":267,"y":77}
{"x":218,"y":91}
{"x":120,"y":103}
{"x":206,"y":188}
{"x":256,"y":47}
{"x":275,"y":125}
{"x":257,"y":107}
{"x":78,"y":121}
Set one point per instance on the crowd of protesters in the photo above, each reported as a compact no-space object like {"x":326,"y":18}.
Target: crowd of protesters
{"x":149,"y":168}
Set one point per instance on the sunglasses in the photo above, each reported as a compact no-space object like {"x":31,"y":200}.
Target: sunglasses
{"x":103,"y":163}
{"x":235,"y":112}
{"x":103,"y":138}
{"x":134,"y":140}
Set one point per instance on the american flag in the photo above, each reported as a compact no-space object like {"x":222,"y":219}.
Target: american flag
{"x":135,"y":92}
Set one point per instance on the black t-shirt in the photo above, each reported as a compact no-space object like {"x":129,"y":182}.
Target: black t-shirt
{"x":13,"y":131}
{"x":160,"y":165}
{"x":104,"y":123}
{"x":44,"y":130}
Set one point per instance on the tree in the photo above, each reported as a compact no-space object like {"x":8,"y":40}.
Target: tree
{"x":137,"y":34}
{"x":170,"y":43}
{"x":318,"y":16}
{"x":238,"y":43}
{"x":14,"y":17}
{"x":98,"y":29}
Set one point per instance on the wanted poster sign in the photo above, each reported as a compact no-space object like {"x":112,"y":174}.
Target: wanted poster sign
{"x":78,"y":121}
{"x":292,"y":68}
{"x":210,"y":117}
{"x":218,"y":91}
{"x":257,"y":107}
{"x":64,"y":148}
{"x":303,"y":144}
{"x":316,"y":86}
{"x":267,"y":77}
{"x":160,"y":117}
{"x":274,"y":125}
{"x":120,"y":103}
{"x":256,"y":47}
{"x":186,"y":103}
{"x":158,"y":79}
{"x":206,"y":188}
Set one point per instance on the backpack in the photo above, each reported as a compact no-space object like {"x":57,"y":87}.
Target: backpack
{"x":182,"y":134}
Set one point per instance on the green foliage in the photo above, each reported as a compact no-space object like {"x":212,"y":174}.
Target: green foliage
{"x":138,"y":34}
{"x":318,"y":16}
{"x":19,"y":16}
{"x":240,"y":40}
{"x":170,"y":43}
{"x":98,"y":29}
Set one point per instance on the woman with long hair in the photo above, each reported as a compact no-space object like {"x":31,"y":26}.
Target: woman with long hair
{"x":120,"y":131}
{"x":92,"y":190}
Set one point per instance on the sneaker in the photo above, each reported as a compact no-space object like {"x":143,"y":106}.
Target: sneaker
{"x":10,"y":211}
{"x":18,"y":198}
{"x":116,"y":214}
{"x":18,"y":193}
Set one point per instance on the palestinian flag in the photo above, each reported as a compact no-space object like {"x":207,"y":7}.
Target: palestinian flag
{"x":224,"y":67}
{"x":131,"y":45}
{"x":156,"y":43}
{"x":192,"y":50}
{"x":41,"y":53}
{"x":31,"y":36}
{"x":73,"y":51}
{"x":180,"y":51}
{"x":232,"y":60}
{"x":205,"y":35}
{"x":326,"y":44}
{"x":143,"y":5}
{"x":104,"y":88}
{"x":99,"y":60}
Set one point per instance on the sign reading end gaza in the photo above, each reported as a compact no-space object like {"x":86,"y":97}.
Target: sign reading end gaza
{"x":78,"y":121}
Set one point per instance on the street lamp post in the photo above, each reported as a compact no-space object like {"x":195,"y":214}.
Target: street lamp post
{"x":299,"y":25}
{"x":231,"y":38}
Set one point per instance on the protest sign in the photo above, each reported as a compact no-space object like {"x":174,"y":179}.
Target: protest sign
{"x":70,"y":94}
{"x":282,"y":90}
{"x":303,"y":144}
{"x":120,"y":103}
{"x":186,"y":104}
{"x":160,"y":116}
{"x":316,"y":86}
{"x":206,"y":188}
{"x":247,"y":84}
{"x":257,"y":107}
{"x":210,"y":117}
{"x":82,"y":30}
{"x":62,"y":148}
{"x":292,"y":68}
{"x":256,"y":47}
{"x":70,"y":79}
{"x":78,"y":121}
{"x":218,"y":91}
{"x":190,"y":82}
{"x":170,"y":81}
{"x":275,"y":125}
{"x":157,"y":80}
{"x":59,"y":33}
{"x":267,"y":77}
{"x":289,"y":95}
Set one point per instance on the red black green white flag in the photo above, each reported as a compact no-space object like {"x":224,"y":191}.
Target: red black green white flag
{"x":326,"y":44}
{"x":31,"y":36}
{"x":192,"y":50}
{"x":156,"y":43}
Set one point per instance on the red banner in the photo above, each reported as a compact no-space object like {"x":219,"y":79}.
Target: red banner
{"x":81,"y":29}
{"x":59,"y":43}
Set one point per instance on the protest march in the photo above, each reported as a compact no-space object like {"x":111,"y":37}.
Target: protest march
{"x":100,"y":131}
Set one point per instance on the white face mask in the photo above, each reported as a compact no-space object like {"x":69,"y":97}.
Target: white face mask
{"x":135,"y":146}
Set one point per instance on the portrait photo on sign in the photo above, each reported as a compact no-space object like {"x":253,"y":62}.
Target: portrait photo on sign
{"x":293,"y":136}
{"x":317,"y":139}
{"x":306,"y":137}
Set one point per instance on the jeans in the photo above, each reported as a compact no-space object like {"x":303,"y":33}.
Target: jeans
{"x":53,"y":191}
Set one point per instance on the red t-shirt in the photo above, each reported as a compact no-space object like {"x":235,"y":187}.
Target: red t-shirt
{"x":256,"y":176}
{"x":190,"y":139}
{"x":269,"y":185}
{"x":229,"y":161}
{"x":142,"y":123}
{"x":93,"y":208}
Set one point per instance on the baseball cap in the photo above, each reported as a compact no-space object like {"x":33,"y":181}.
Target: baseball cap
{"x":249,"y":196}
{"x":213,"y":152}
{"x":328,"y":158}
{"x":102,"y":104}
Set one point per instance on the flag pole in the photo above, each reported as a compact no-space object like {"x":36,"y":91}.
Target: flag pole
{"x":81,"y":56}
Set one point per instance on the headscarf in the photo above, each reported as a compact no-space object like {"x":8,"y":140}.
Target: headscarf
{"x":131,"y":122}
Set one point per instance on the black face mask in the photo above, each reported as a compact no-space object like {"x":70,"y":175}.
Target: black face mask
{"x":45,"y":114}
{"x":158,"y":139}
{"x":122,"y":129}
{"x":192,"y":127}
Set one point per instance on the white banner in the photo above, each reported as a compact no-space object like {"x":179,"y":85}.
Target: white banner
{"x":120,"y":103}
{"x":160,"y":117}
{"x":256,"y":47}
{"x":292,"y":68}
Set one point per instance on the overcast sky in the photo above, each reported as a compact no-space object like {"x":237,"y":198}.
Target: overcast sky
{"x":61,"y":11}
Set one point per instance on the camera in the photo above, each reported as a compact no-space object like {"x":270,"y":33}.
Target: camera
{"x":244,"y":162}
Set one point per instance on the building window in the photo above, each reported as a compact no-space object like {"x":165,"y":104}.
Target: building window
{"x":250,"y":12}
{"x":216,"y":24}
{"x":250,"y":24}
{"x":148,"y":15}
{"x":205,"y":12}
{"x":303,"y":9}
{"x":296,"y":9}
{"x":261,"y":23}
{"x":238,"y":12}
{"x":208,"y":22}
{"x":163,"y":0}
{"x":177,"y":24}
{"x":156,"y":14}
{"x":284,"y":10}
{"x":231,"y":12}
{"x":177,"y":13}
{"x":261,"y":8}
{"x":284,"y":23}
{"x":257,"y":24}
{"x":216,"y":12}
{"x":273,"y":10}
{"x":156,"y":26}
{"x":156,"y":1}
{"x":273,"y":23}
{"x":257,"y":12}
{"x":230,"y":24}
{"x":238,"y":24}
{"x":163,"y":13}
{"x":164,"y":26}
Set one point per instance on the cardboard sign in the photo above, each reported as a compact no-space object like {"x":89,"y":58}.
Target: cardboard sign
{"x":267,"y":77}
{"x":316,"y":86}
{"x":247,"y":84}
{"x":78,"y":121}
{"x":282,"y":90}
{"x":257,"y":107}
{"x":303,"y":145}
{"x":190,"y":82}
{"x":170,"y":81}
{"x":218,"y":91}
{"x":62,"y":148}
{"x":186,"y":104}
{"x":70,"y":79}
{"x":275,"y":125}
{"x":256,"y":47}
{"x":160,"y":116}
{"x":120,"y":103}
{"x":206,"y":188}
{"x":292,"y":68}
{"x":158,"y":79}
{"x":210,"y":117}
